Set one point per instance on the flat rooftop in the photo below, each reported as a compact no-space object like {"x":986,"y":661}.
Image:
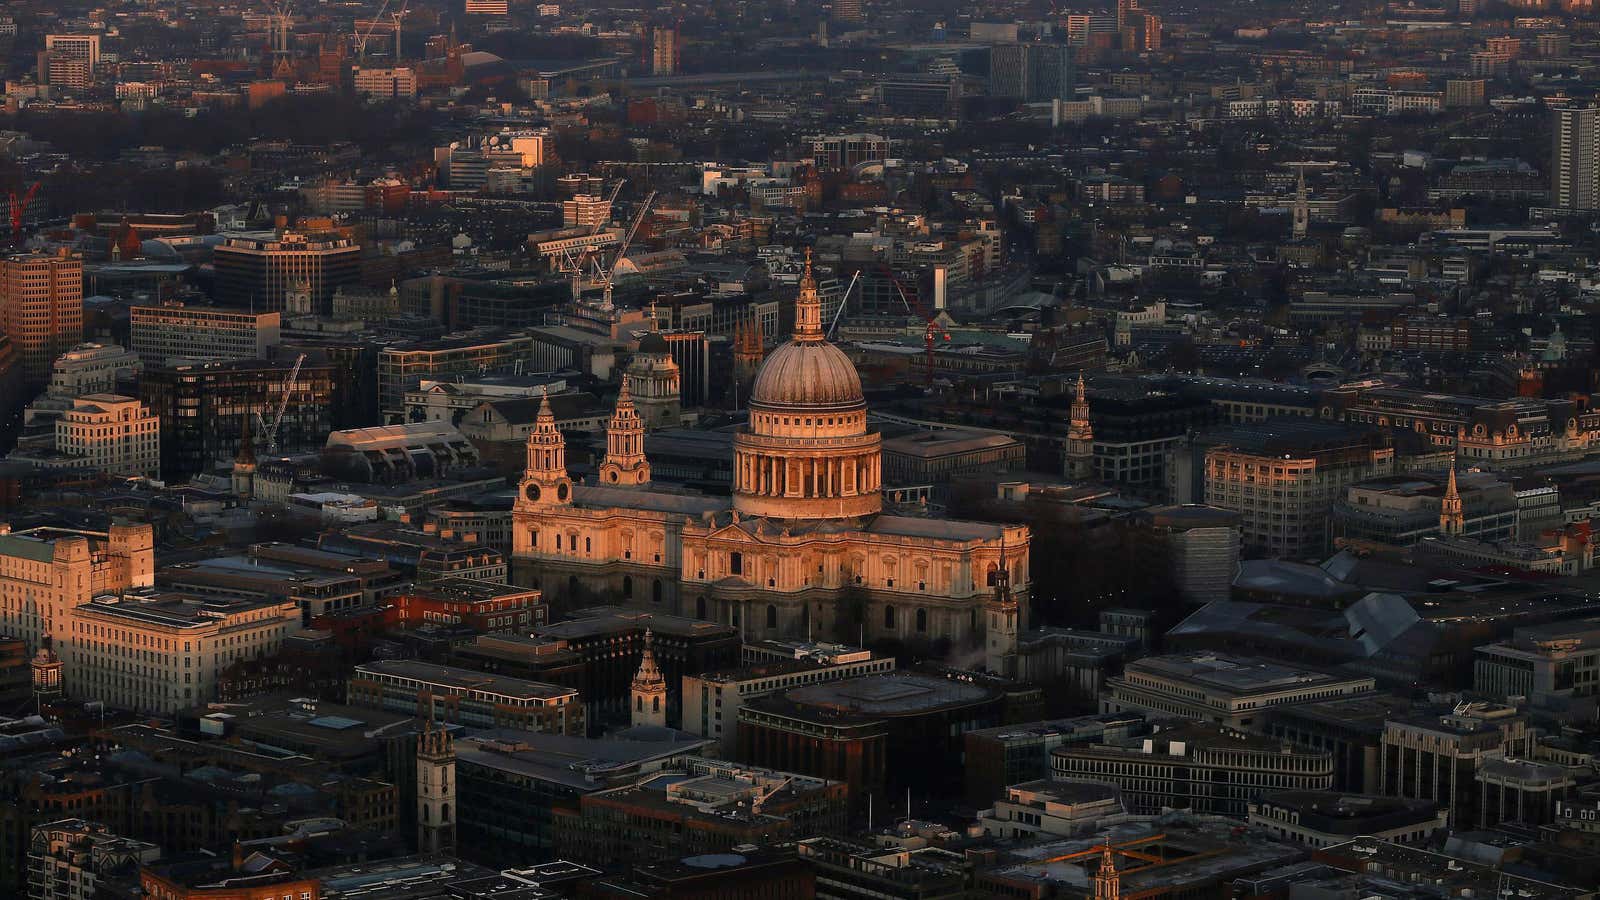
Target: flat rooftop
{"x":890,"y":694}
{"x":465,"y":680}
{"x":1233,"y":674}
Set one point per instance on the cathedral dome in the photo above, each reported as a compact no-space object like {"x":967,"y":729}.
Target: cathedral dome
{"x":807,"y":374}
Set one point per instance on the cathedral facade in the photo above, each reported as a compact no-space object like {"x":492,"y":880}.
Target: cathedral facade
{"x":804,"y":549}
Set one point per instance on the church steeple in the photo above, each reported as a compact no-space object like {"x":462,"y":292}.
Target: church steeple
{"x":625,"y":462}
{"x":436,"y":769}
{"x":545,"y":481}
{"x":1080,"y":436}
{"x":1000,"y":642}
{"x":648,"y":694}
{"x":1107,"y":882}
{"x":1451,"y":521}
{"x":1302,"y":208}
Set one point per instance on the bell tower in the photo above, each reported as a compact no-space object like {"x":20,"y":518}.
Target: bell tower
{"x":625,"y":462}
{"x":1107,"y":881}
{"x":436,"y":803}
{"x":1080,"y":437}
{"x":544,"y":480}
{"x":648,"y":695}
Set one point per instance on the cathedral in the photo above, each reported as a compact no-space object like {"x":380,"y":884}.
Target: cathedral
{"x":804,"y":549}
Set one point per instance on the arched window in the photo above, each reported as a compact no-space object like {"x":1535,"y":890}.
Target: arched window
{"x":888,"y":617}
{"x":772,"y":616}
{"x":655,"y":704}
{"x":994,"y":574}
{"x":424,"y":813}
{"x":586,"y":545}
{"x":922,"y":620}
{"x":655,"y":591}
{"x":638,"y":703}
{"x":444,"y":814}
{"x":627,"y":587}
{"x":700,"y":608}
{"x":533,"y":537}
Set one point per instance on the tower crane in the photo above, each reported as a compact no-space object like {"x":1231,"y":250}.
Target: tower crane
{"x":575,"y":261}
{"x":271,"y":431}
{"x":932,"y":333}
{"x":19,"y":206}
{"x":605,"y":275}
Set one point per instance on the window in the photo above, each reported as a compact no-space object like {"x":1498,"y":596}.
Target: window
{"x":655,"y":591}
{"x":736,"y":563}
{"x":627,"y":587}
{"x":772,"y":616}
{"x":888,"y":617}
{"x":922,"y":620}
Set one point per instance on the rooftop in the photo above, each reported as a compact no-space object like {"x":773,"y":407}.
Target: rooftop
{"x":464,"y":680}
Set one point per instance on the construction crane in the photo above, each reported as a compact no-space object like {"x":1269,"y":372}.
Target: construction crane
{"x":932,"y":333}
{"x":575,"y":261}
{"x":372,"y":25}
{"x":19,"y":206}
{"x":271,"y":431}
{"x":280,"y":18}
{"x":605,"y":275}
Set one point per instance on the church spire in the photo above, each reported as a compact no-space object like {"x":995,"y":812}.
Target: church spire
{"x":1451,"y":520}
{"x":649,"y":689}
{"x":1080,"y":436}
{"x":807,"y":307}
{"x":625,"y":462}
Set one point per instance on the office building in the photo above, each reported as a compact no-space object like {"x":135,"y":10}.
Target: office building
{"x":588,"y":211}
{"x":712,"y":700}
{"x":708,"y":806}
{"x":164,"y":335}
{"x":399,"y":82}
{"x":1548,"y":664}
{"x":511,"y":784}
{"x":1284,"y":476}
{"x":877,"y":733}
{"x":69,"y":859}
{"x":1575,"y":159}
{"x":465,"y":697}
{"x":159,"y":652}
{"x":1429,"y":756}
{"x":1401,"y":510}
{"x":41,"y":309}
{"x":402,"y":367}
{"x":47,"y":573}
{"x":1031,"y":73}
{"x":845,"y":151}
{"x":85,"y":369}
{"x":1202,"y":546}
{"x":1225,"y":690}
{"x":1210,"y":769}
{"x":112,"y":434}
{"x":289,"y":271}
{"x":204,"y":409}
{"x":1044,"y":808}
{"x":1324,"y":818}
{"x":213,"y":876}
{"x":1526,"y":792}
{"x":1012,"y":754}
{"x":849,"y":11}
{"x":69,"y":61}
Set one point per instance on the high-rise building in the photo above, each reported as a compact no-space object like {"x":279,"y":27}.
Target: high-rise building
{"x":585,"y":210}
{"x":664,"y":51}
{"x":203,"y":408}
{"x":261,"y":271}
{"x":1575,"y":159}
{"x":1032,"y":73}
{"x":69,"y":60}
{"x":848,"y":11}
{"x":161,"y":335}
{"x":386,"y":83}
{"x":41,"y":308}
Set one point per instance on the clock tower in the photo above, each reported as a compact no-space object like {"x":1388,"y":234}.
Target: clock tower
{"x":544,"y":481}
